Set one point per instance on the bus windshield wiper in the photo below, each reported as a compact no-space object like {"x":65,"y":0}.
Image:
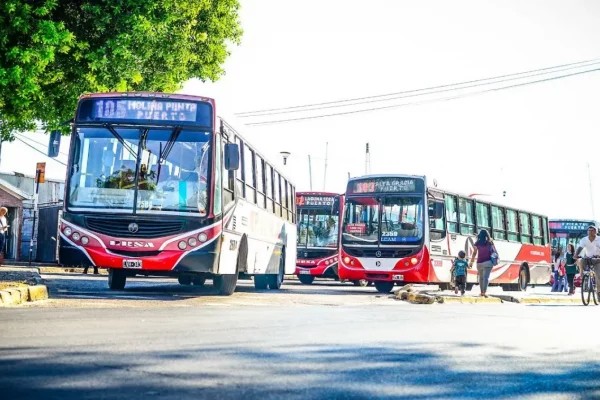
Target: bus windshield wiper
{"x":120,"y":139}
{"x":163,"y":154}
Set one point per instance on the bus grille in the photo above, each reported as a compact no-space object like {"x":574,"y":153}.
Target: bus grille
{"x":146,"y":229}
{"x":385,"y":253}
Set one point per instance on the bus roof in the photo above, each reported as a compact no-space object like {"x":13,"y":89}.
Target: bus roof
{"x":385,"y":176}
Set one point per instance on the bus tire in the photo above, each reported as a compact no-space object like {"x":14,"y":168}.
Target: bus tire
{"x":276,"y":280}
{"x":184,"y":279}
{"x":384,"y":287}
{"x":199,"y":280}
{"x":523,"y":278}
{"x":116,"y":279}
{"x":225,"y":284}
{"x":260,"y":282}
{"x":306,"y":279}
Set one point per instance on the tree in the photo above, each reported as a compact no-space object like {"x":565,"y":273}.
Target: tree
{"x":52,"y":51}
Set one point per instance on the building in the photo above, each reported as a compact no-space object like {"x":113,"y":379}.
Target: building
{"x":16,"y":194}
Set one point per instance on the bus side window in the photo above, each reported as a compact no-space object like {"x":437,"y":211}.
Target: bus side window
{"x":536,"y":230}
{"x":545,"y":230}
{"x":525,"y":227}
{"x":512,"y":225}
{"x":467,"y":223}
{"x":451,"y":214}
{"x":498,"y":231}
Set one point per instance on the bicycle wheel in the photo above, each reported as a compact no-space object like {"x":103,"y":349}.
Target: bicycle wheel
{"x":594,"y":288}
{"x":585,"y":284}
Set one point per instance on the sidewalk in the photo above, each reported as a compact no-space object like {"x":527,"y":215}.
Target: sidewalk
{"x":21,"y":284}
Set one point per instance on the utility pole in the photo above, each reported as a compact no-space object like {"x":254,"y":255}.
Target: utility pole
{"x":310,"y":172}
{"x":40,"y":172}
{"x":325,"y":173}
{"x":591,"y":191}
{"x":367,"y":160}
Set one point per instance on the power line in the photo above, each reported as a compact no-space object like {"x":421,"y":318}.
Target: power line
{"x":415,"y":90}
{"x":35,"y":141}
{"x":425,"y":92}
{"x":41,"y":152}
{"x":422,"y":102}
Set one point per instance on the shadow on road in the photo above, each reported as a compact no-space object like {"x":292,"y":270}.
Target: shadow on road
{"x":320,"y":371}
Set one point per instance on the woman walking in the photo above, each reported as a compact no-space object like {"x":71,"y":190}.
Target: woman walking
{"x":484,"y":248}
{"x":571,"y":267}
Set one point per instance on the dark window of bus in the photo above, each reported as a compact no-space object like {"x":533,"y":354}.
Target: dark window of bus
{"x":249,"y":177}
{"x":536,"y":230}
{"x":293,"y":197}
{"x":545,"y":230}
{"x":512,"y":225}
{"x":525,"y":227}
{"x":284,"y":199}
{"x":498,"y":231}
{"x":239,"y":181}
{"x":451,"y":214}
{"x":290,"y":203}
{"x":437,"y":229}
{"x":228,"y":182}
{"x":277,"y":197}
{"x":260,"y":182}
{"x":269,"y":185}
{"x":217,"y":204}
{"x":482,"y":212}
{"x":467,"y":223}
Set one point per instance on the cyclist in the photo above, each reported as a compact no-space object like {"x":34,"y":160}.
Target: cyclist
{"x":591,"y":244}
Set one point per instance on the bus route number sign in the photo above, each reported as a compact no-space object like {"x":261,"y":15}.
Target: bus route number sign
{"x":387,"y":185}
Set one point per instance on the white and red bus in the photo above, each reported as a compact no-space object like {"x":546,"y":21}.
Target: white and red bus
{"x":318,"y":235}
{"x":565,"y":231}
{"x":157,"y":184}
{"x":396,"y":229}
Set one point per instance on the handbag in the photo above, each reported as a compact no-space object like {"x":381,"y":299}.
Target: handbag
{"x":493,"y":255}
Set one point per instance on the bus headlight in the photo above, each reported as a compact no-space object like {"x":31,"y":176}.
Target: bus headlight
{"x":68,"y":231}
{"x":347,"y":260}
{"x":192,"y":242}
{"x":76,"y":236}
{"x":182,"y":245}
{"x":85,"y":240}
{"x":202,"y":237}
{"x":414,"y":261}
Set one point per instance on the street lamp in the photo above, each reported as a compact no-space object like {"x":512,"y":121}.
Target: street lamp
{"x":285,"y":155}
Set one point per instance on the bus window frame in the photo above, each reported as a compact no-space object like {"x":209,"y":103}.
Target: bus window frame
{"x":503,"y":231}
{"x":508,"y":231}
{"x":473,"y":231}
{"x":528,"y":220}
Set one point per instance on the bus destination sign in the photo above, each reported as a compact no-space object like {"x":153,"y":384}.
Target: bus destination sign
{"x":155,"y":110}
{"x":575,"y":226}
{"x":315,"y":201}
{"x":386,"y":185}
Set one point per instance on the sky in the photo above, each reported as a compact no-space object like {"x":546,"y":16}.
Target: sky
{"x":534,"y":142}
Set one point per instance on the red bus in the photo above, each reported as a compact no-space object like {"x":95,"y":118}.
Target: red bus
{"x":158,"y":185}
{"x":396,"y":229}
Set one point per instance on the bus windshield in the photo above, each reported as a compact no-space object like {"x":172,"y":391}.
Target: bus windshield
{"x":105,"y":161}
{"x":317,"y":228}
{"x":385,"y":220}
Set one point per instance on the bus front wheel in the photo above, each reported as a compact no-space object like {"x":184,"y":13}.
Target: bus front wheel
{"x":225,"y":284}
{"x":184,"y":280}
{"x":384,"y":287}
{"x":116,"y":279}
{"x":306,"y":279}
{"x":276,"y":280}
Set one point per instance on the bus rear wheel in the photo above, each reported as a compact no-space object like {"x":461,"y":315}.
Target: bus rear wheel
{"x":225,"y":284}
{"x":116,"y":279}
{"x":384,"y":287}
{"x":199,"y":281}
{"x":276,"y":280}
{"x":260,"y":282}
{"x":306,"y":279}
{"x":523,"y":280}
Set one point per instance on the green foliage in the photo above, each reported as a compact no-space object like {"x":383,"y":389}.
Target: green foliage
{"x":52,"y":51}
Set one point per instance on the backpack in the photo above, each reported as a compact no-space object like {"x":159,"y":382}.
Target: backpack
{"x":494,"y":255}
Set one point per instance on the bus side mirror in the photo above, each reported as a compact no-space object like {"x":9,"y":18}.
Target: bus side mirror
{"x":54,"y":143}
{"x":436,"y":210}
{"x":232,"y":156}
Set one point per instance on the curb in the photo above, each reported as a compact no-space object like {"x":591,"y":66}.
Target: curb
{"x":20,"y":295}
{"x":473,"y":300}
{"x":74,"y":270}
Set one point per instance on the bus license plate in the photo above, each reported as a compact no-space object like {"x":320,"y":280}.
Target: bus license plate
{"x":398,"y":277}
{"x":304,"y":272}
{"x":135,"y":264}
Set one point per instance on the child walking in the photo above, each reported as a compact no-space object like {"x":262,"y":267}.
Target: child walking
{"x":459,"y":270}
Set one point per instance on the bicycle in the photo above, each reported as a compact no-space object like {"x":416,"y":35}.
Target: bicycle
{"x":588,"y":283}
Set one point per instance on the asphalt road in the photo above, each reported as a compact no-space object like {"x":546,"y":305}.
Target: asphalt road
{"x":159,"y":340}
